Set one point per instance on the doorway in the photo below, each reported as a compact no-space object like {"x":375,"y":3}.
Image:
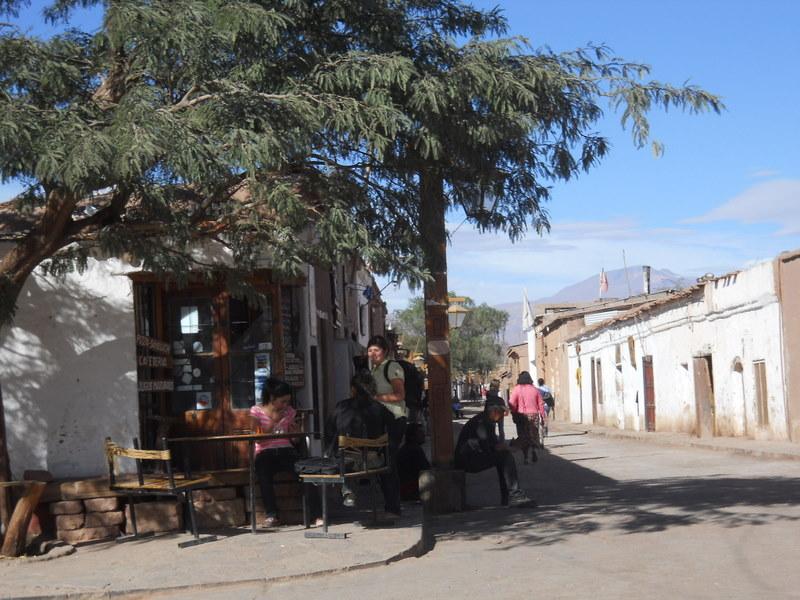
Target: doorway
{"x":704,"y":395}
{"x":649,"y":394}
{"x":594,"y":391}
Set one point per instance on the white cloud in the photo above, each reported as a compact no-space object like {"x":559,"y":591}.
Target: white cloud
{"x":776,"y":201}
{"x":763,"y":173}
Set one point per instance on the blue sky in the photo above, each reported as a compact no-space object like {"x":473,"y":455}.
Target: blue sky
{"x":725,"y":193}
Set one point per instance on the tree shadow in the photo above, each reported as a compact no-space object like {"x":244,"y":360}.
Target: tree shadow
{"x":575,"y":500}
{"x":68,"y":371}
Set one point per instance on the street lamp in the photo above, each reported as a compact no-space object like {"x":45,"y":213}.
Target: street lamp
{"x":456,"y":315}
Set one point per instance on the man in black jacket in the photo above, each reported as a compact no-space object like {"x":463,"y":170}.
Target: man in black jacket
{"x":362,"y":417}
{"x":478,"y":448}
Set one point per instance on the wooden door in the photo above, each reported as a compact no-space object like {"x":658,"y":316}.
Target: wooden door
{"x":704,"y":395}
{"x":649,"y":394}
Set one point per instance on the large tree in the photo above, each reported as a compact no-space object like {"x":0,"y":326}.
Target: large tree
{"x":250,"y":122}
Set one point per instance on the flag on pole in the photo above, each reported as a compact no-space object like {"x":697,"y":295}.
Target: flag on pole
{"x":603,"y":282}
{"x":527,"y":314}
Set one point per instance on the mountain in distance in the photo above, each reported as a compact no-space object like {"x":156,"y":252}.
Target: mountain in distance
{"x":588,"y":290}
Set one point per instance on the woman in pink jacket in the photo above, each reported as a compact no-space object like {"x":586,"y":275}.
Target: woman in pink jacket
{"x":526,"y":403}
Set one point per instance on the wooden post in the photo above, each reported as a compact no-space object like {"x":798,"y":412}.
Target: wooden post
{"x":5,"y":470}
{"x":432,"y":222}
{"x":15,"y":539}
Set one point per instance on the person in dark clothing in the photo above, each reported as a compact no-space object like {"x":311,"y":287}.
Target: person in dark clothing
{"x":478,"y":448}
{"x":494,"y":392}
{"x":411,"y":461}
{"x":361,"y":416}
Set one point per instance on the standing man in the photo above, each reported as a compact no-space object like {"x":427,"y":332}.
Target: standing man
{"x":391,"y":390}
{"x":494,"y":395}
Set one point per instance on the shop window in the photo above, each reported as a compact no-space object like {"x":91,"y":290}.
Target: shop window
{"x":250,"y":352}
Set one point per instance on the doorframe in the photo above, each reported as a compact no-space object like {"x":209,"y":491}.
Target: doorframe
{"x":647,"y":367}
{"x":705,"y":359}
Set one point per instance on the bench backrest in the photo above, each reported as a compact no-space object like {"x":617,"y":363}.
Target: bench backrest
{"x":114,"y":451}
{"x":354,"y":443}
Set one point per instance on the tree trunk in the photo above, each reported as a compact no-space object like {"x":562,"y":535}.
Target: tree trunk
{"x":434,"y":240}
{"x":5,"y":470}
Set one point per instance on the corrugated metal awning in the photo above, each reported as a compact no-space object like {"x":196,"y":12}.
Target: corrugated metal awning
{"x":599,"y":317}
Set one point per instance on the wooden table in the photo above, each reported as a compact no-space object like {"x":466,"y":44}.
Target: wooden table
{"x":251,"y":439}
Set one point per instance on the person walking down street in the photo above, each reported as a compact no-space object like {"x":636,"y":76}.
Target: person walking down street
{"x":478,"y":448}
{"x":526,"y":405}
{"x":494,"y":392}
{"x":361,"y":416}
{"x":547,"y":398}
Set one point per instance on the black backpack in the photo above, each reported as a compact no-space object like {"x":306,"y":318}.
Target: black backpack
{"x":548,"y":399}
{"x":414,"y":384}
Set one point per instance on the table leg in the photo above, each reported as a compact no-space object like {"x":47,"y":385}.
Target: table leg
{"x":252,"y":462}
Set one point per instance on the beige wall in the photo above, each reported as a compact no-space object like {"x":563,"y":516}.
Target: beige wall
{"x":552,"y":362}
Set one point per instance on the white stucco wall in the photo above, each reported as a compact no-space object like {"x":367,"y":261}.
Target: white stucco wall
{"x":737,"y":317}
{"x":68,"y":371}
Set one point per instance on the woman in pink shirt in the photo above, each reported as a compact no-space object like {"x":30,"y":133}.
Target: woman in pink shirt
{"x":526,"y":405}
{"x":274,"y":415}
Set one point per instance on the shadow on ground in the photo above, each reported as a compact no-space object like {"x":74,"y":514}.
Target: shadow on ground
{"x":576,"y":500}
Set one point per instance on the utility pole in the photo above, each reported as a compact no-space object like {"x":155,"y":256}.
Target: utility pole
{"x":443,"y":489}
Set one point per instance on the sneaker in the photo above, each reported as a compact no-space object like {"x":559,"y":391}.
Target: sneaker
{"x":349,"y":500}
{"x":520,"y":498}
{"x":270,"y":522}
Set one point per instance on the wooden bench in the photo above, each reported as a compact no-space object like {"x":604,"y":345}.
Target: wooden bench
{"x":166,"y":483}
{"x":360,"y":449}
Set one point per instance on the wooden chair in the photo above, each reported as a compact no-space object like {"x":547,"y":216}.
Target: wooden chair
{"x":165,"y":483}
{"x":359,"y":448}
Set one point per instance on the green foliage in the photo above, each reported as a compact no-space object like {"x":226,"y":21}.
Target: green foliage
{"x":476,"y":346}
{"x":295,"y":129}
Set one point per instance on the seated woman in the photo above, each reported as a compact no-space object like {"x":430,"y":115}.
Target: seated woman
{"x":361,"y":416}
{"x":274,"y":415}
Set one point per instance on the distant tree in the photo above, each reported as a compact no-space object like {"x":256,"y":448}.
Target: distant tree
{"x":410,"y":324}
{"x":476,"y":346}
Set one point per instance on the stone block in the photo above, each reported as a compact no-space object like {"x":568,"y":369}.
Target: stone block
{"x":155,"y":517}
{"x":70,"y":522}
{"x":66,"y":507}
{"x":101,"y":504}
{"x":224,"y":513}
{"x":87,"y":534}
{"x":214,"y":494}
{"x":105,"y":519}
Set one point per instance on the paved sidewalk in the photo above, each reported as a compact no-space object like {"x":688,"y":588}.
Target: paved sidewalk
{"x":757,"y":448}
{"x":156,"y":566}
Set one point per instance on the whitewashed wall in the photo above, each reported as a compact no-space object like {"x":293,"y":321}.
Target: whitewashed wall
{"x":738,"y":317}
{"x":68,"y":371}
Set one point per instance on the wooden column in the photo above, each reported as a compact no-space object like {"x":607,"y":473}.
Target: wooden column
{"x":5,"y":470}
{"x":432,"y":227}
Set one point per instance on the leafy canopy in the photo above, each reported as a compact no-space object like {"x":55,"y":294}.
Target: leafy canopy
{"x":297,"y":130}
